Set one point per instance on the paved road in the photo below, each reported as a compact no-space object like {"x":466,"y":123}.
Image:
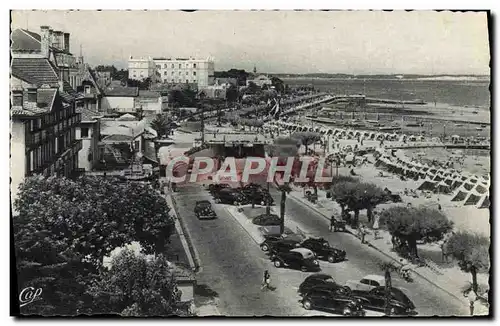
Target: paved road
{"x":233,"y":264}
{"x":363,"y":260}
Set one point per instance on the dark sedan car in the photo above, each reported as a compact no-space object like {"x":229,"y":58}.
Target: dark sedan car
{"x":323,"y":250}
{"x":203,"y":210}
{"x":271,"y":242}
{"x":333,"y":300}
{"x":215,"y":187}
{"x":297,"y":258}
{"x":229,"y":196}
{"x":374,"y":299}
{"x":320,"y":280}
{"x":266,"y":220}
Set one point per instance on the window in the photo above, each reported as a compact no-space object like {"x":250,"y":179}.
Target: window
{"x":32,"y":95}
{"x":180,"y":66}
{"x":135,"y":75}
{"x":187,"y":73}
{"x":187,"y":81}
{"x":179,"y":73}
{"x":136,"y":145}
{"x":365,"y":281}
{"x":194,"y":73}
{"x":172,"y":66}
{"x":17,"y":99}
{"x":159,"y":66}
{"x":165,"y":73}
{"x":85,"y":132}
{"x":375,"y":283}
{"x":194,"y":65}
{"x":87,"y":89}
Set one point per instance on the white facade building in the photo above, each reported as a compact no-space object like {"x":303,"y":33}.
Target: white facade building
{"x":140,"y":68}
{"x":182,"y":71}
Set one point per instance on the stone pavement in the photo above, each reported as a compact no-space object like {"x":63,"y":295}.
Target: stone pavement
{"x":450,"y":280}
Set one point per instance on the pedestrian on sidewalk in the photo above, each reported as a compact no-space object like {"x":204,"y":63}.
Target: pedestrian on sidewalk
{"x":362,"y":233}
{"x":472,"y":297}
{"x":332,"y":223}
{"x":266,"y":281}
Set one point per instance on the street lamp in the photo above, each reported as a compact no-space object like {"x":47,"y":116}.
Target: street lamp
{"x":201,"y":97}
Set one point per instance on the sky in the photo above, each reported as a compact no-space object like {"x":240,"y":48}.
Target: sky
{"x":352,"y":42}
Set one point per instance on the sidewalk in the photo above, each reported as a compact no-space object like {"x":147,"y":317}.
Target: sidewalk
{"x":450,"y":280}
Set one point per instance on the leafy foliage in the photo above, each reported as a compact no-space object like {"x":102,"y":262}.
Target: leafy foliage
{"x":472,"y":252}
{"x":162,"y":125}
{"x":135,"y":286}
{"x":307,"y":138}
{"x":142,"y":84}
{"x":232,"y":94}
{"x":411,"y":224}
{"x":182,"y":97}
{"x":65,"y":228}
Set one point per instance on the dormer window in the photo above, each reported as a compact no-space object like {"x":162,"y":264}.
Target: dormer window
{"x":87,"y":89}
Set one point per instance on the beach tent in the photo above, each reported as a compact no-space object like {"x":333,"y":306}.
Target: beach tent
{"x":357,"y":134}
{"x":468,"y":186}
{"x":448,"y":181}
{"x":481,"y":189}
{"x":485,"y":202}
{"x":472,"y":180}
{"x":473,"y":198}
{"x":433,"y":171}
{"x":438,"y":178}
{"x":330,"y":132}
{"x":442,"y":188}
{"x":456,"y":184}
{"x":427,"y":185}
{"x":412,"y":138}
{"x":464,"y":178}
{"x":460,"y":195}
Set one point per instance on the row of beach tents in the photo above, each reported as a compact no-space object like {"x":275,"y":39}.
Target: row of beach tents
{"x":471,"y":190}
{"x":340,"y":132}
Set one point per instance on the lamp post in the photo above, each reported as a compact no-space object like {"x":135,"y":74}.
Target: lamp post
{"x":201,"y":97}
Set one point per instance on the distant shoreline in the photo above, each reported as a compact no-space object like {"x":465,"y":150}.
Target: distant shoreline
{"x":426,"y":78}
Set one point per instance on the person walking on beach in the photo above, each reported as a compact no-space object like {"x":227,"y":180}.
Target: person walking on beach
{"x":472,"y":297}
{"x":266,"y":281}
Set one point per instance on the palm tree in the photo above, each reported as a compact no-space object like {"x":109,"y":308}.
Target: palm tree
{"x":307,"y":138}
{"x":161,"y":124}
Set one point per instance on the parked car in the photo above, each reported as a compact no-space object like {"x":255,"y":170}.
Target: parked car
{"x":228,"y":196}
{"x":323,"y":250}
{"x":280,"y":245}
{"x":333,"y":300}
{"x":297,"y":258}
{"x":366,"y":283}
{"x":271,"y":240}
{"x":319,"y":280}
{"x":260,"y":196}
{"x":374,"y":299}
{"x":215,"y":187}
{"x":266,"y":219}
{"x":203,"y":210}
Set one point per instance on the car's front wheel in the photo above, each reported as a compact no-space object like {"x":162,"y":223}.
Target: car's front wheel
{"x":307,"y":304}
{"x":264,"y":247}
{"x":331,"y":259}
{"x":277,"y":263}
{"x":347,"y":311}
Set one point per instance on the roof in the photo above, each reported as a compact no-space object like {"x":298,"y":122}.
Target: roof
{"x":24,"y":40}
{"x":320,"y":276}
{"x":127,"y":117}
{"x":148,"y":94}
{"x":45,"y":102}
{"x":38,"y":71}
{"x":306,"y":253}
{"x":122,"y":91}
{"x":88,"y":115}
{"x":378,"y":278}
{"x":118,"y":138}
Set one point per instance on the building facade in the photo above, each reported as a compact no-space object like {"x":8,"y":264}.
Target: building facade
{"x":119,"y":99}
{"x":199,"y":72}
{"x":140,"y":68}
{"x":43,"y":108}
{"x":88,"y":132}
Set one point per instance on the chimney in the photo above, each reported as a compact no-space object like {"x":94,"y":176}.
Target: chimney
{"x":66,"y":42}
{"x":58,"y":40}
{"x":46,"y":40}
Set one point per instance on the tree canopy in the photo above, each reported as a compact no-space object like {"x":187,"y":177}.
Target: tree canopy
{"x":135,"y":286}
{"x":471,"y":251}
{"x":65,"y":228}
{"x":162,"y":125}
{"x":410,"y":224}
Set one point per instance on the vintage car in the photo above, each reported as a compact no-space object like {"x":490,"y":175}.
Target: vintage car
{"x":366,"y":283}
{"x":297,"y":258}
{"x":323,"y":250}
{"x":334,"y":300}
{"x":375,"y":299}
{"x":203,"y":210}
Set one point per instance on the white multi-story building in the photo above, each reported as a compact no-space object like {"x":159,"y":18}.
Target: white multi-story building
{"x":140,"y":68}
{"x":182,"y":71}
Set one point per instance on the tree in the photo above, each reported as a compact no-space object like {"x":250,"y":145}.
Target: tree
{"x":307,"y":138}
{"x":93,"y":215}
{"x":472,"y":252}
{"x":283,"y":148}
{"x":356,"y":196}
{"x":141,"y":84}
{"x":278,"y":84}
{"x":409,"y":224}
{"x":162,"y":125}
{"x":253,"y":88}
{"x":135,"y":286}
{"x":232,"y":94}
